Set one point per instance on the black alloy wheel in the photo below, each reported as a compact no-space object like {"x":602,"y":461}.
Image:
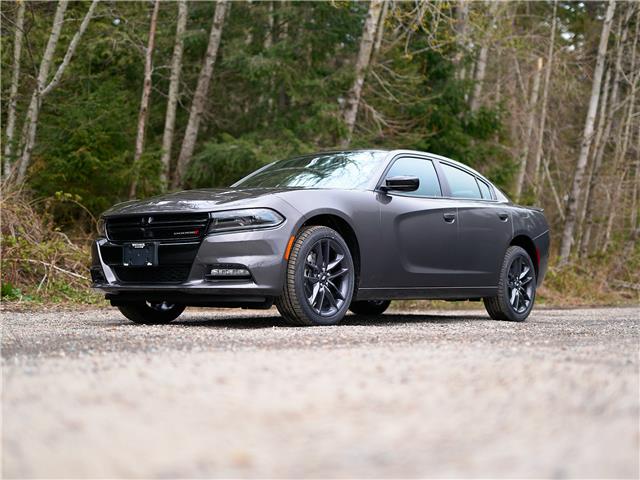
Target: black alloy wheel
{"x":319,"y":279}
{"x":520,"y":287}
{"x":326,"y":280}
{"x":516,"y":287}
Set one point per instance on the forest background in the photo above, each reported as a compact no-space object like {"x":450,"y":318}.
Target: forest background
{"x":102,"y":101}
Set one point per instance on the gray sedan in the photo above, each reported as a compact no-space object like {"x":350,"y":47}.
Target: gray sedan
{"x":322,"y":234}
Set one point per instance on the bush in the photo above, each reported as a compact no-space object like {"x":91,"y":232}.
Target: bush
{"x":39,"y":262}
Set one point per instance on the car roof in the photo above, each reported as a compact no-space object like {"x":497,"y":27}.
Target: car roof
{"x":399,"y":151}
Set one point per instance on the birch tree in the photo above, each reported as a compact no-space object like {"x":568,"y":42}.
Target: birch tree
{"x":352,"y":102}
{"x":146,"y":95}
{"x":545,"y":98}
{"x":603,"y":140}
{"x":481,"y":65}
{"x":15,"y":82}
{"x":174,"y":90}
{"x":42,"y":87}
{"x":533,"y":101}
{"x":200,"y":96}
{"x":577,"y":186}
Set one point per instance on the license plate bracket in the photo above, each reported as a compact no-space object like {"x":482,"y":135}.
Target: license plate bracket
{"x":140,"y":254}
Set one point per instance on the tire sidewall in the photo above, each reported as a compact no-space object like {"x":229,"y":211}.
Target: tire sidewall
{"x":304,"y":251}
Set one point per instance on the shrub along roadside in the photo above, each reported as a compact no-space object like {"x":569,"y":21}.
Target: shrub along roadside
{"x":39,"y":262}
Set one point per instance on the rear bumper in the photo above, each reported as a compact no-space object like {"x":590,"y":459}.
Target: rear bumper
{"x":260,"y":251}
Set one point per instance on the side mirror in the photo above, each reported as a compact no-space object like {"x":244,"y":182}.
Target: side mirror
{"x":402,"y":183}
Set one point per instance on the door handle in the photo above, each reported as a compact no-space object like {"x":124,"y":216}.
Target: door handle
{"x":449,"y":217}
{"x":503,"y":216}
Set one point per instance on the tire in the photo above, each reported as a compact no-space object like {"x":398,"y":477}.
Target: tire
{"x":149,"y":313}
{"x":369,"y":307}
{"x":516,"y":288}
{"x":316,"y":291}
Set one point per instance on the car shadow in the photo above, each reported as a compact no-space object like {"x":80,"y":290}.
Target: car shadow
{"x":248,"y":322}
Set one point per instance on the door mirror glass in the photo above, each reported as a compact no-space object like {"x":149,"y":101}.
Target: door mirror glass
{"x":402,"y":183}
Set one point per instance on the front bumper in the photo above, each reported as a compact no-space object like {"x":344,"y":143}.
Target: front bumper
{"x":260,"y":251}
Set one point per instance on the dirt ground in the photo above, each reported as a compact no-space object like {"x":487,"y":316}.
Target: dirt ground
{"x":223,"y":393}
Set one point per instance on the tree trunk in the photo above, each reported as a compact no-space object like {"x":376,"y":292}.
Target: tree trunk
{"x":576,"y":188}
{"x":42,"y":88}
{"x":481,"y":66}
{"x":380,"y":29}
{"x":530,"y":121}
{"x":200,"y":96}
{"x":462,"y":18}
{"x":174,"y":88}
{"x":352,"y":102}
{"x":146,"y":95}
{"x":13,"y":92}
{"x":587,"y":207}
{"x":623,"y":144}
{"x":589,"y":213}
{"x":545,"y":98}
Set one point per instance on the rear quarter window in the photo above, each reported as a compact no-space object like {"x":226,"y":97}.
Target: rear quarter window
{"x":461,"y":183}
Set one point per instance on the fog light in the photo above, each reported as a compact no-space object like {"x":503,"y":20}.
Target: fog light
{"x":229,"y":272}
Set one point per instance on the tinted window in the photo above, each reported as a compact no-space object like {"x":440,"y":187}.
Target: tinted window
{"x":485,"y":190}
{"x":421,"y":168}
{"x":349,"y":170}
{"x":462,"y":184}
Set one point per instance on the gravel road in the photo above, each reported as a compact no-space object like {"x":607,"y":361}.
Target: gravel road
{"x":237,"y":394}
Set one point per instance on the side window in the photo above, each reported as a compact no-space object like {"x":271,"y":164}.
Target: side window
{"x":461,"y":183}
{"x":421,"y":168}
{"x":485,"y":190}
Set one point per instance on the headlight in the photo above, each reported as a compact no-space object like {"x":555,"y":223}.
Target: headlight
{"x":102,"y":227}
{"x":248,"y":219}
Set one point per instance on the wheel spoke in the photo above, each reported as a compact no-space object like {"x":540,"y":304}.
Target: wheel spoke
{"x":338,"y":273}
{"x":514,"y":293}
{"x":311,"y":278}
{"x":337,"y":291}
{"x":319,"y":255}
{"x":312,"y":266}
{"x":526,"y":280}
{"x":336,"y":262}
{"x":314,"y":294}
{"x":523,"y":272}
{"x":321,"y":301}
{"x":331,"y":298}
{"x":326,"y":253}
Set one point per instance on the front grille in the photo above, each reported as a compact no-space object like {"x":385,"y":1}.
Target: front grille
{"x":162,"y":274}
{"x":161,"y":226}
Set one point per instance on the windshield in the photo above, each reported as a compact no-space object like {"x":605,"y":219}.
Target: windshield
{"x":347,"y":170}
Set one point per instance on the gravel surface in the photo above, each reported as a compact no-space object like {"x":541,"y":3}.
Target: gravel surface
{"x":237,"y":394}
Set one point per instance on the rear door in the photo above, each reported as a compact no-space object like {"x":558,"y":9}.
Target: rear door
{"x":419,"y":229}
{"x":484,"y":227}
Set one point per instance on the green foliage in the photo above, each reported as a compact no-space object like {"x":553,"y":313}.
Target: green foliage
{"x":221,"y":164}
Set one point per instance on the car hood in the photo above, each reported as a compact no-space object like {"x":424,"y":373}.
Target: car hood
{"x":197,"y":200}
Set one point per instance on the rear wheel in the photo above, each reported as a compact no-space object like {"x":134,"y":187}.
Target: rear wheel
{"x":369,"y":307}
{"x":516,"y":288}
{"x":151,"y":313}
{"x":319,"y":279}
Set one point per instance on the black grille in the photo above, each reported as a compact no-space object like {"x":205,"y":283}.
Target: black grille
{"x":165,"y":274}
{"x":161,"y":226}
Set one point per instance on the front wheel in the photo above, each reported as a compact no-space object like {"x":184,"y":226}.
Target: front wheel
{"x":369,"y":307}
{"x":319,"y":279}
{"x":151,"y":313}
{"x":516,"y":288}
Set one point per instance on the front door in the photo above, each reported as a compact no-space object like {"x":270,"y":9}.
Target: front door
{"x":419,"y":230}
